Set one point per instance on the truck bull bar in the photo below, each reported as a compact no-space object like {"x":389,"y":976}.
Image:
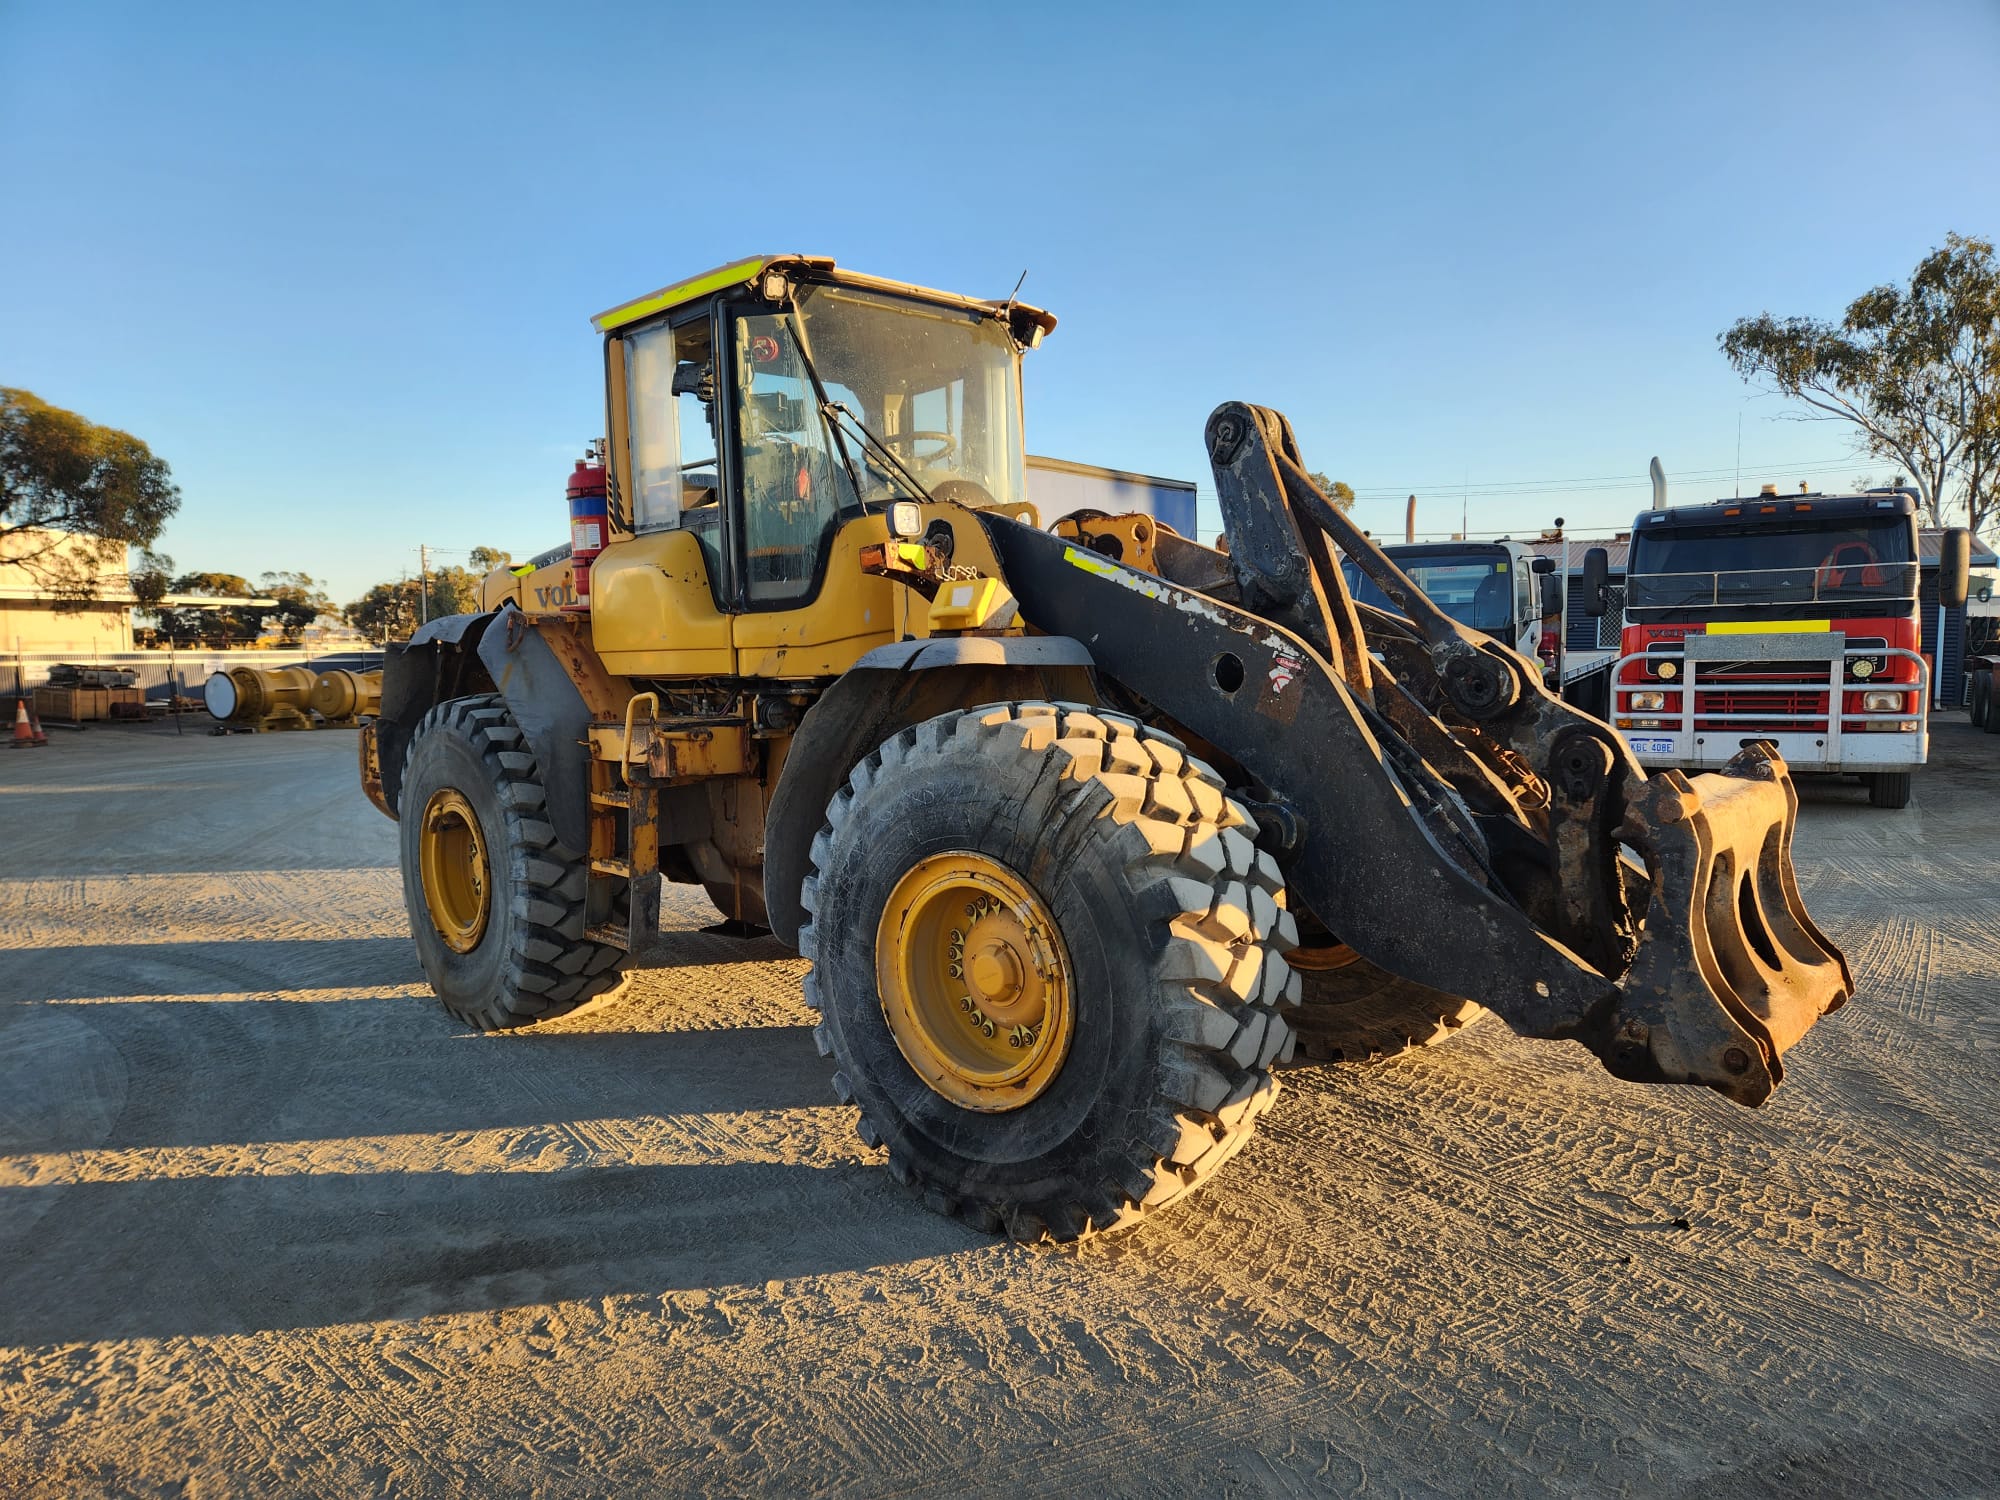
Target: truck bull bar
{"x":1809,"y":741}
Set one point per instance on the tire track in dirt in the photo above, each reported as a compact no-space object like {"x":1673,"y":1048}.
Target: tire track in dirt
{"x":1454,"y":1274}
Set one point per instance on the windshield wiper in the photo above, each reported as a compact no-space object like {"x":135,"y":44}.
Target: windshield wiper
{"x":831,"y":411}
{"x":879,"y":446}
{"x":824,"y":402}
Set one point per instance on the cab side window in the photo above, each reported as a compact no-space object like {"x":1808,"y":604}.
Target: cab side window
{"x":794,"y":483}
{"x":670,"y":395}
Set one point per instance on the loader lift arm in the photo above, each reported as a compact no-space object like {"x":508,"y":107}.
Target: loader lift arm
{"x":1444,"y":814}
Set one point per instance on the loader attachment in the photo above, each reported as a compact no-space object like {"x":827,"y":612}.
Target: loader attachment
{"x":1435,"y":808}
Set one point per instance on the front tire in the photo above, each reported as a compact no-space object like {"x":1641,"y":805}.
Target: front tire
{"x":1047,"y":959}
{"x":496,"y":904}
{"x":1890,"y":789}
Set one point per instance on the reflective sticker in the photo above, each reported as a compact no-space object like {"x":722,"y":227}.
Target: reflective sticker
{"x":1090,"y":562}
{"x":1768,"y":627}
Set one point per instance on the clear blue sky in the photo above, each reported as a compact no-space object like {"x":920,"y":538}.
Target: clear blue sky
{"x":335,"y":262}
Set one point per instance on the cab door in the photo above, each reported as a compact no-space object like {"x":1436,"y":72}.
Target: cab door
{"x":659,"y":596}
{"x":806,"y":609}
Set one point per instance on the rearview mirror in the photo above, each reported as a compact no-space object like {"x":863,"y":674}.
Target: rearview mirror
{"x":1954,"y":567}
{"x":1552,"y":598}
{"x":1543,"y":565}
{"x":1596,"y":580}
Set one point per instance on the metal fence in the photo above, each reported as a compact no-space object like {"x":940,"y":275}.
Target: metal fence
{"x":164,"y":674}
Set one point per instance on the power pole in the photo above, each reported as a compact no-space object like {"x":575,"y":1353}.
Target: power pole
{"x":424,"y":571}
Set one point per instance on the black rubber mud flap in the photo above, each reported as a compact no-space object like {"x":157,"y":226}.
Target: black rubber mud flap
{"x":886,"y":691}
{"x":550,"y":711}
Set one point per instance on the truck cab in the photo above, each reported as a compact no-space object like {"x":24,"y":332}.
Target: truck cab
{"x":1791,"y":619}
{"x":1501,"y":588}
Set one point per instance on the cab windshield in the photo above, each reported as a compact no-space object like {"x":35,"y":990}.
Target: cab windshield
{"x":916,"y":398}
{"x":1475,"y":589}
{"x":937,"y":386}
{"x":1675,"y":568}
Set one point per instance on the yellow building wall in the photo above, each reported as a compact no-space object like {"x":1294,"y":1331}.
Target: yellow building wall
{"x":33,"y":626}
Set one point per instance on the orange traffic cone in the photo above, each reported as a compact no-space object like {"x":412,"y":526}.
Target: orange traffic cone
{"x":24,"y":733}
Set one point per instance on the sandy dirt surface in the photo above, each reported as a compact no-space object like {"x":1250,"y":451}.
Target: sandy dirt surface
{"x":271,"y":1223}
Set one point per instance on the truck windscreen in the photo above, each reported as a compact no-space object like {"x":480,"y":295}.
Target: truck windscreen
{"x":1674,"y":568}
{"x":1475,"y":589}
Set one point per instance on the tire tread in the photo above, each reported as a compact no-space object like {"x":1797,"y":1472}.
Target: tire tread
{"x":1198,"y":880}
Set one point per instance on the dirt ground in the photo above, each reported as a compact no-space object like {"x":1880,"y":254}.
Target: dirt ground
{"x":271,"y":1223}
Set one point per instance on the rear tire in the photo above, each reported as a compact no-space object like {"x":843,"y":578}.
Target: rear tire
{"x":1980,"y":696}
{"x":1162,"y":919}
{"x":1359,"y":1013}
{"x":1889,"y":789}
{"x":524,"y":957}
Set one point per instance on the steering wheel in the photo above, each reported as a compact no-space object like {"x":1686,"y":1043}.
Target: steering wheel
{"x":905,"y":444}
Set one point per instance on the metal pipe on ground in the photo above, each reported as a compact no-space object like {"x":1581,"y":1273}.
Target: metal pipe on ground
{"x":260,"y":697}
{"x":338,"y":695}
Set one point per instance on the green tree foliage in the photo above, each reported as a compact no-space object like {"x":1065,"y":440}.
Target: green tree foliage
{"x":1339,"y":492}
{"x":392,"y":611}
{"x":1915,"y":370}
{"x":453,"y":591}
{"x":300,"y":602}
{"x":387,"y":612}
{"x":152,"y":575}
{"x":216,"y":627}
{"x":62,"y":473}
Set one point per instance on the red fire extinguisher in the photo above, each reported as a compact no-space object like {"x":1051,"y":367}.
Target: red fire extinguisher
{"x":588,"y":519}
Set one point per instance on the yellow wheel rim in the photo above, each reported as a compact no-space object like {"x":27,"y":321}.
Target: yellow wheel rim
{"x":458,"y":883}
{"x":974,"y":981}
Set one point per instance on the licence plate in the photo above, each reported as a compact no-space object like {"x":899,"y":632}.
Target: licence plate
{"x":1645,"y":745}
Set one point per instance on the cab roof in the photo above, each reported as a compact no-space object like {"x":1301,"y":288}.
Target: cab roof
{"x":817,"y":268}
{"x":1778,"y":509}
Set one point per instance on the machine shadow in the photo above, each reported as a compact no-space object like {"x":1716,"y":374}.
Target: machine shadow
{"x":168,"y":1259}
{"x":250,"y":1072}
{"x":112,"y":971}
{"x":693,"y":949}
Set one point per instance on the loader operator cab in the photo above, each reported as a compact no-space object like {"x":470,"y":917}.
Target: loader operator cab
{"x":762,"y":406}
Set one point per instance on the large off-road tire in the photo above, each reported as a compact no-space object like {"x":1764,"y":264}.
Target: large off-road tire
{"x":1890,"y":789}
{"x":496,"y":903}
{"x":1360,"y":1013}
{"x":1097,"y":889}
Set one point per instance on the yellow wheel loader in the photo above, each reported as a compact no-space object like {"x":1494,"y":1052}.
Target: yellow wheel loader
{"x":1077,"y":826}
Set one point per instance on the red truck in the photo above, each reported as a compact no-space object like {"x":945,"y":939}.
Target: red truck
{"x":1751,"y":619}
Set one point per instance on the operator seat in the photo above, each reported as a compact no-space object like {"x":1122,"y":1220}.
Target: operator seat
{"x":1850,"y":557}
{"x":1490,"y":601}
